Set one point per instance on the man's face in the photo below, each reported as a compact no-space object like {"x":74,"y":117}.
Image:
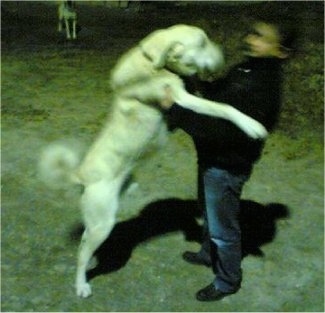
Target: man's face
{"x":263,"y":41}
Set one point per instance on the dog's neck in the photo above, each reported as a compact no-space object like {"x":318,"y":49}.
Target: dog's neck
{"x":145,"y":54}
{"x":148,"y":57}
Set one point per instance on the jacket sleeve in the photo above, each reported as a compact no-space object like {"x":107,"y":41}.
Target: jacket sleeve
{"x":262,"y":103}
{"x":195,"y":124}
{"x":179,"y":117}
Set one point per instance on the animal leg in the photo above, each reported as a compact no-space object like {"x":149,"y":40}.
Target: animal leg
{"x":60,"y":25}
{"x":99,"y":204}
{"x":74,"y":34}
{"x":67,"y":28}
{"x":250,"y":126}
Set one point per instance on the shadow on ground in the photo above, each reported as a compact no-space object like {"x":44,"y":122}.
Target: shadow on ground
{"x":258,"y":224}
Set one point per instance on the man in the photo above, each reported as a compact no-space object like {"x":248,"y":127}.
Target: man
{"x":226,"y":155}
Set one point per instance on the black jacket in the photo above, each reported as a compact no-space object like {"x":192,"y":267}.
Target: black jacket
{"x":253,"y":87}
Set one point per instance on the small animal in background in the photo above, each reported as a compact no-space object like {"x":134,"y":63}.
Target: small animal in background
{"x":68,"y":14}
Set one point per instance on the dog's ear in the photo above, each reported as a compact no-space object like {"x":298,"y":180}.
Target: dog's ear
{"x":157,"y":46}
{"x":175,"y":51}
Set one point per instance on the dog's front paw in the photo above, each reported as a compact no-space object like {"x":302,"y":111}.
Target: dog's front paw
{"x":250,"y":126}
{"x":255,"y":130}
{"x":83,"y":290}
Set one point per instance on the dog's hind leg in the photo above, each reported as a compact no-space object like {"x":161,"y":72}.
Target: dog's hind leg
{"x":60,"y":15}
{"x":99,"y":204}
{"x":60,"y":25}
{"x":74,"y":29}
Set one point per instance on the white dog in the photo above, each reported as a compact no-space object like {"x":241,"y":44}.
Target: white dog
{"x":136,"y":123}
{"x":68,"y":14}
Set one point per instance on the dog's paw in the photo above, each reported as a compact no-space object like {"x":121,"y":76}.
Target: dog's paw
{"x":83,"y":290}
{"x":255,"y":129}
{"x":250,"y":126}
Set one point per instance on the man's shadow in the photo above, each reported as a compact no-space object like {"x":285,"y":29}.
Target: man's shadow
{"x":258,"y":224}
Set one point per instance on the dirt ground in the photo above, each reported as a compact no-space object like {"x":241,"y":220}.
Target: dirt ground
{"x":56,"y":89}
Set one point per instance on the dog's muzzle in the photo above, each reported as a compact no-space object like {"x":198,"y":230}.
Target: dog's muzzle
{"x":213,"y":63}
{"x":206,"y":75}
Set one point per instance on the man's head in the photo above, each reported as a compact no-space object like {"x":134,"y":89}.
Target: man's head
{"x":266,"y":39}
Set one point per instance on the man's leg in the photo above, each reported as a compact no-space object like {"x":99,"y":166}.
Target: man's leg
{"x":202,"y":257}
{"x":222,"y":195}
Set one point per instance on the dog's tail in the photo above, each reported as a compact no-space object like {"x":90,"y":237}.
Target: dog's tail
{"x":57,"y":164}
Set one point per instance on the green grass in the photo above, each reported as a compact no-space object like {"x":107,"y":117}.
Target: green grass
{"x":53,"y":90}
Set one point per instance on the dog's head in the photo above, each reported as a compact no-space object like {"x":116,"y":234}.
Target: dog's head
{"x":203,"y":60}
{"x":185,"y":50}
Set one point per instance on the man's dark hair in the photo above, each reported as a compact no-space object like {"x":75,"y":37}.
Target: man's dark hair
{"x":288,"y":36}
{"x":287,"y":32}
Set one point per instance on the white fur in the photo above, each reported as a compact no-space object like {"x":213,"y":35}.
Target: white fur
{"x":136,"y":124}
{"x":57,"y":162}
{"x":67,"y":14}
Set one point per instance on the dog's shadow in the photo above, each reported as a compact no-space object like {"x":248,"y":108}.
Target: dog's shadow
{"x":258,"y":224}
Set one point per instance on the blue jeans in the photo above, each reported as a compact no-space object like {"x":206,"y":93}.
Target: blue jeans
{"x":221,"y":191}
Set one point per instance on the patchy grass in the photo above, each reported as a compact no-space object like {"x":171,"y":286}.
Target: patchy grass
{"x":52,"y":89}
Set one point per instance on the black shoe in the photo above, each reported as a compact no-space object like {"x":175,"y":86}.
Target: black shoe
{"x":210,"y":293}
{"x":195,"y":258}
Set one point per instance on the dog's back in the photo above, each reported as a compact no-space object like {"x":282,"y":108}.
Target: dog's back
{"x":66,"y":10}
